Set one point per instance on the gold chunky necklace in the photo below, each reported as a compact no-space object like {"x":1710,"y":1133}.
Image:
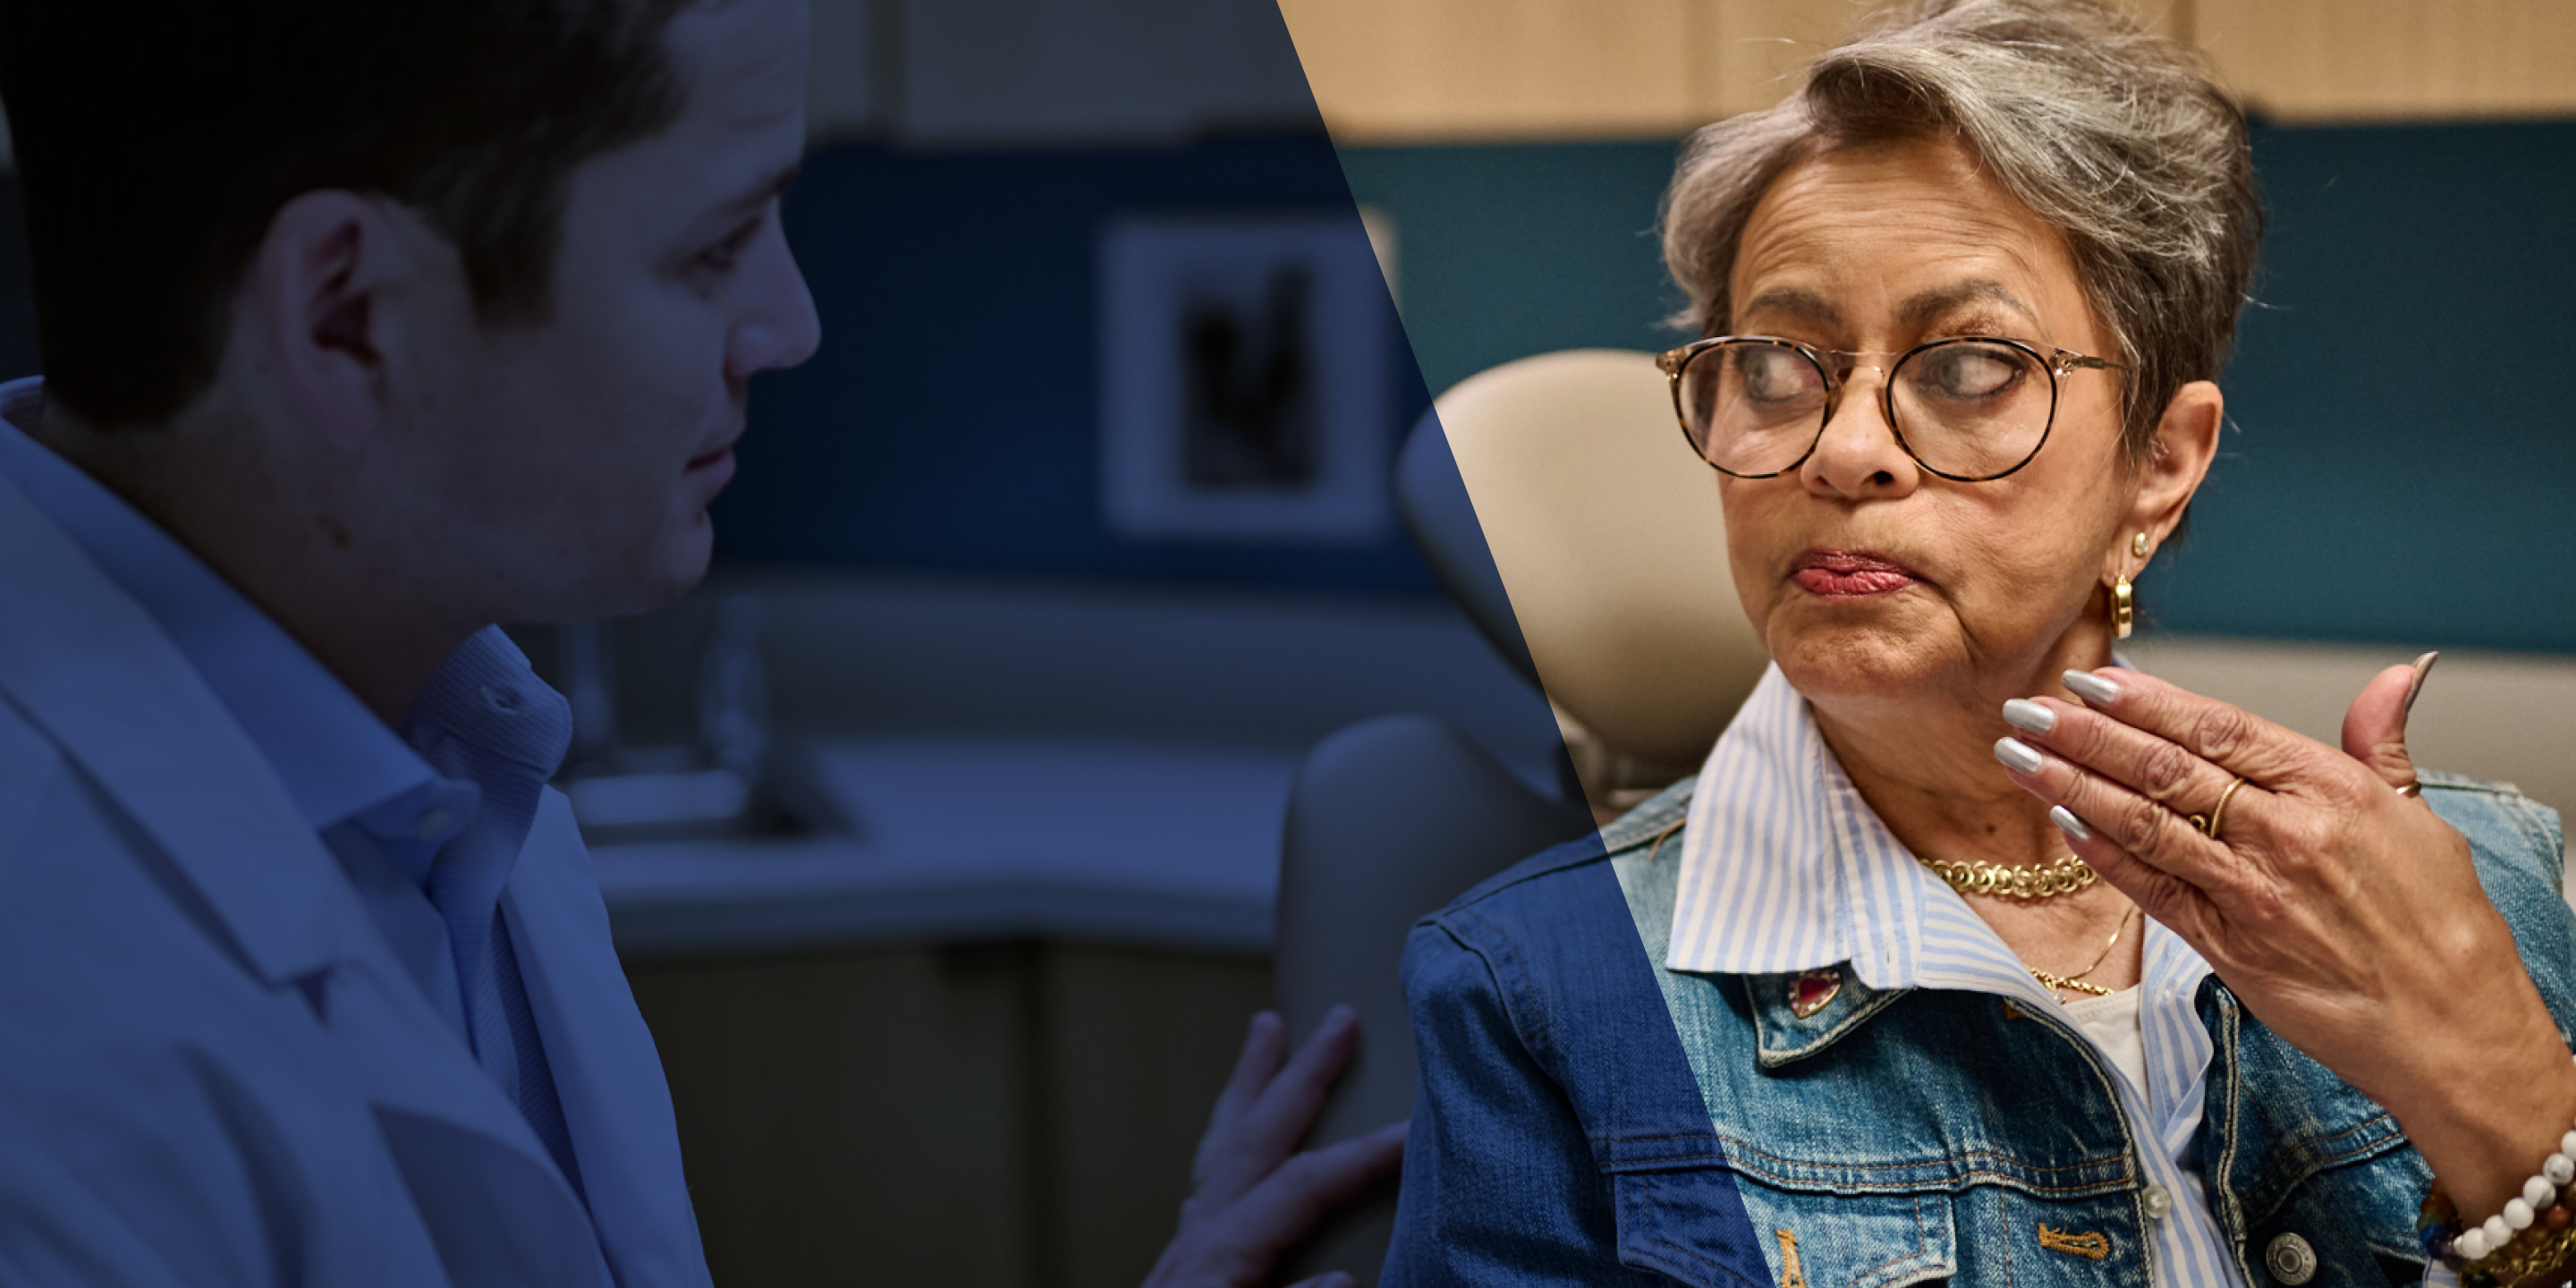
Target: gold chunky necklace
{"x":2066,"y":876}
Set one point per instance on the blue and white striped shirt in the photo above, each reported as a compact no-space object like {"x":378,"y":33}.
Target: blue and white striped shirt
{"x":1810,"y":878}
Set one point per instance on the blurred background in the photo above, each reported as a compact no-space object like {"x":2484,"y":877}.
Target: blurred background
{"x":940,"y":830}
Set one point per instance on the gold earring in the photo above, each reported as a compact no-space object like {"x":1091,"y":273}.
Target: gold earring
{"x":2124,"y":608}
{"x":2138,"y":545}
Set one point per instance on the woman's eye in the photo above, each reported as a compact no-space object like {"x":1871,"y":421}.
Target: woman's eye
{"x":1965,"y":372}
{"x":1774,"y":375}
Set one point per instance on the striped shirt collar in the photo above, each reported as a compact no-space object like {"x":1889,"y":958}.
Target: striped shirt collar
{"x":1786,"y":868}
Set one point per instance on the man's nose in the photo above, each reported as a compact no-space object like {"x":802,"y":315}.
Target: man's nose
{"x":780,"y":329}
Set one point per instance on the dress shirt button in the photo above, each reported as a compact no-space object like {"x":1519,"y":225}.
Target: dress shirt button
{"x":505,"y":701}
{"x":433,"y":823}
{"x":2158,"y":1200}
{"x":2290,"y":1260}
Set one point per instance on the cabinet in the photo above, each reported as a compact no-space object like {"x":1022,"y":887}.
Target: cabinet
{"x":1011,"y":1115}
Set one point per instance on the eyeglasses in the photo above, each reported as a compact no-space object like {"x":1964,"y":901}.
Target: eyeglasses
{"x":1969,"y":408}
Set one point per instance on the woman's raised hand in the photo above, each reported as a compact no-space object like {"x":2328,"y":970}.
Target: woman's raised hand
{"x":2345,"y":914}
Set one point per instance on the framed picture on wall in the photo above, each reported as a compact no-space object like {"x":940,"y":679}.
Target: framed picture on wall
{"x":1245,"y":379}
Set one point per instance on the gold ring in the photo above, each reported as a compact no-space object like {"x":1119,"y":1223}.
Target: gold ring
{"x":2414,"y":788}
{"x":2208,"y":824}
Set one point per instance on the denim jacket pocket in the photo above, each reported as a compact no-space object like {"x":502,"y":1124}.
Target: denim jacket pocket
{"x":1666,"y":1225}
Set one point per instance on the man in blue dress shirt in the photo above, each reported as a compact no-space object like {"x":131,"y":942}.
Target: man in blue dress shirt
{"x":368,"y":326}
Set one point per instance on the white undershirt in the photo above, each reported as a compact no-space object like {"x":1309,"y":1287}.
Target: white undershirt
{"x":2111,"y":1024}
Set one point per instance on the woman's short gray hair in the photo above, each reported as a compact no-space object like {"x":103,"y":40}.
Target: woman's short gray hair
{"x":2117,"y":136}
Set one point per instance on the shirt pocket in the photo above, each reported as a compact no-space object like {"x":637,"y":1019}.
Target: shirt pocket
{"x":1710,"y":1228}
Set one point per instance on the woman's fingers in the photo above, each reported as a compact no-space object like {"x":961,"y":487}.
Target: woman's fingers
{"x":2151,"y":853}
{"x":2228,"y":737}
{"x":2170,"y":900}
{"x":2374,"y":730}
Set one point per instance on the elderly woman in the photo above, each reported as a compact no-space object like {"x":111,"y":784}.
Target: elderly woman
{"x":1845,"y":1009}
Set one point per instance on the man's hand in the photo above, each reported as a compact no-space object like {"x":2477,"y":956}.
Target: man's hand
{"x":1256,"y":1196}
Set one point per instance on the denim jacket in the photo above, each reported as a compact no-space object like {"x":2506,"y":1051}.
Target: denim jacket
{"x":1560,"y":1134}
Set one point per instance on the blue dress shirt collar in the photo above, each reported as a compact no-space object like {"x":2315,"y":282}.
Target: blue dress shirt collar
{"x":334,"y":757}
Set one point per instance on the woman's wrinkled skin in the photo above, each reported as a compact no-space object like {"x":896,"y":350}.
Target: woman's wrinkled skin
{"x":2001,"y":587}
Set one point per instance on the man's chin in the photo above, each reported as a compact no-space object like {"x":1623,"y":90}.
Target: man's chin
{"x":675,"y":573}
{"x":651,"y":579}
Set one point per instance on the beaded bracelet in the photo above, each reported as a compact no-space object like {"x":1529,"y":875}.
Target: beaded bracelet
{"x":2534,"y":1236}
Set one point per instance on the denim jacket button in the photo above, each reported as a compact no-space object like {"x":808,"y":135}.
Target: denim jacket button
{"x":2290,"y":1260}
{"x":2158,"y":1202}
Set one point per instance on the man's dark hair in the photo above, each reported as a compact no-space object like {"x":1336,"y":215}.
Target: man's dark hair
{"x":156,"y":140}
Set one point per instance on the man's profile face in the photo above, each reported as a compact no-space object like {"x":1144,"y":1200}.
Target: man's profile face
{"x":570,"y":463}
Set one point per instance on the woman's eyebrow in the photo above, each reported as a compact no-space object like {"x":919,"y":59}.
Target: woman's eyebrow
{"x":1930,"y":306}
{"x":1795,"y":301}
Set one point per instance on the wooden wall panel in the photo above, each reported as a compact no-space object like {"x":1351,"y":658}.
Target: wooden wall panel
{"x":1753,"y":51}
{"x":1465,"y":69}
{"x":1387,"y":71}
{"x":2394,"y":60}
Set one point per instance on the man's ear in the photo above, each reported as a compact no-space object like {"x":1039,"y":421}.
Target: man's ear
{"x":323,"y":298}
{"x":2186,"y":442}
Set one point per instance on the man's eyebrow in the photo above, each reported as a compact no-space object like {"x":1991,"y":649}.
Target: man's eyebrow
{"x":1928,"y":307}
{"x":761,"y":193}
{"x":1796,"y":302}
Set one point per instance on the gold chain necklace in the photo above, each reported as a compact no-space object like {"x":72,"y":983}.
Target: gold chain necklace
{"x":2065,"y":876}
{"x":2075,"y":981}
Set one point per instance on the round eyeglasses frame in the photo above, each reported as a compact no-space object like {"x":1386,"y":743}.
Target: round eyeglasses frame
{"x":1838,"y":364}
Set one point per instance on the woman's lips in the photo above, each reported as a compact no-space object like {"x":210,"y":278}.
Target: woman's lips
{"x":1846,"y":573}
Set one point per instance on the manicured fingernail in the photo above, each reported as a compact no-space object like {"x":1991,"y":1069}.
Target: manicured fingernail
{"x":2423,"y":667}
{"x":2022,"y":713}
{"x":2018,"y":756}
{"x":2066,"y":822}
{"x":2092,"y":688}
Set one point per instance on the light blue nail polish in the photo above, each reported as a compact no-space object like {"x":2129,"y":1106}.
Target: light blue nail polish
{"x":2022,"y":713}
{"x":2092,"y":688}
{"x":2017,"y":755}
{"x":2066,"y":822}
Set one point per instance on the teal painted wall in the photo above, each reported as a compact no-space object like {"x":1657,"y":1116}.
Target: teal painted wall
{"x":2397,"y":469}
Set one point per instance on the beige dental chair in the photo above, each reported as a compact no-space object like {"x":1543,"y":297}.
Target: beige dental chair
{"x":1562,"y":509}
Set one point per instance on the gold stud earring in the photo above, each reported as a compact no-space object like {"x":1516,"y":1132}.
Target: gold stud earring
{"x":2138,"y":545}
{"x":2124,"y":608}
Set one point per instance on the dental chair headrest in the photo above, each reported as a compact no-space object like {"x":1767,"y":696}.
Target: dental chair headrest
{"x":1584,"y":538}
